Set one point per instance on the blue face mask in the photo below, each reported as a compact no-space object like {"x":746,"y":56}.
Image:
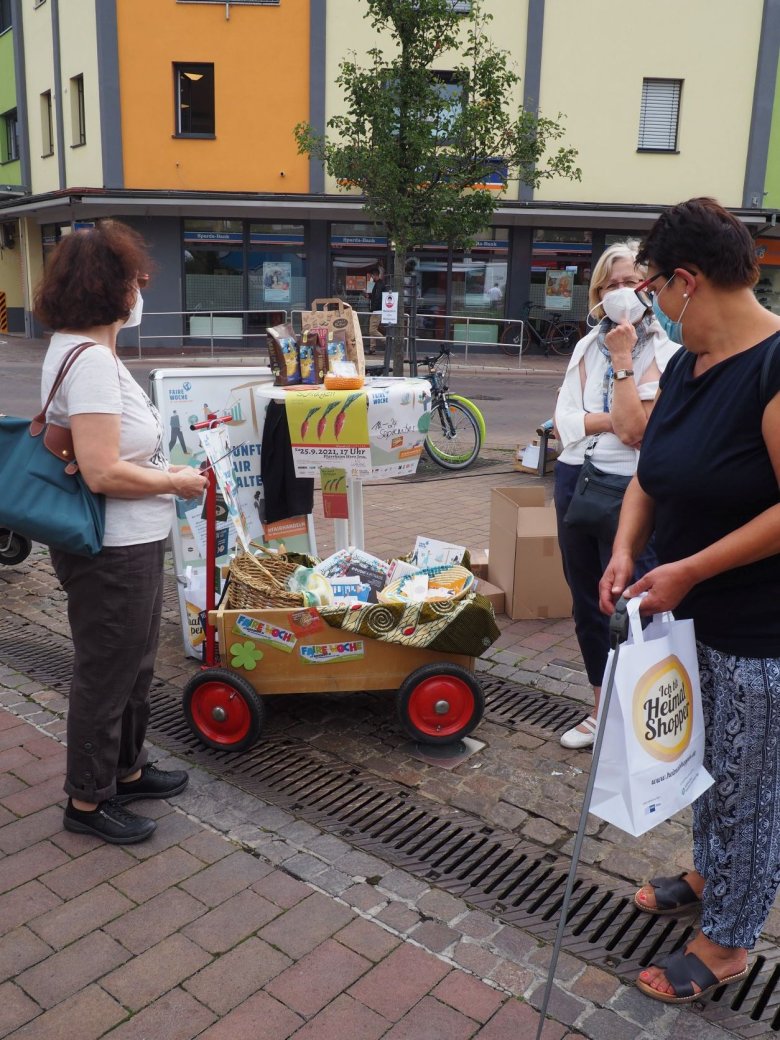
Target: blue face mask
{"x":673,"y":329}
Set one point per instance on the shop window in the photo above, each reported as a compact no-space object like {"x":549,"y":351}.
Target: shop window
{"x":10,"y":136}
{"x":560,"y":272}
{"x":77,"y":117}
{"x":659,"y":115}
{"x":276,"y":267}
{"x":194,"y":93}
{"x":355,"y":250}
{"x":47,"y":126}
{"x":213,"y":265}
{"x":5,"y":15}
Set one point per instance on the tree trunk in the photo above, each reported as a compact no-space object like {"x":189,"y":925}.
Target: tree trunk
{"x":399,"y":338}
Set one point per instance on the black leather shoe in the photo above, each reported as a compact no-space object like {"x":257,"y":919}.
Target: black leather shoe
{"x":152,"y":783}
{"x":110,"y":821}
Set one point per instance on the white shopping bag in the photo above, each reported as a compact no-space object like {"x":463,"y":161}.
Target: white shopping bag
{"x":652,"y":752}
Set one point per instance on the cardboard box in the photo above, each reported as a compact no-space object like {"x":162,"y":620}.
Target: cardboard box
{"x":525,"y":560}
{"x":527,"y":458}
{"x":479,"y":562}
{"x":493,"y":593}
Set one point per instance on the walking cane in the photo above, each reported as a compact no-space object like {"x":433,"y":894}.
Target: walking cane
{"x":618,"y":632}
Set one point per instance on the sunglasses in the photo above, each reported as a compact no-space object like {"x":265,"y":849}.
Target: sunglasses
{"x":644,"y":293}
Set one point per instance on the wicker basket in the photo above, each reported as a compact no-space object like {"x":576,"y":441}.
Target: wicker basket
{"x":394,"y":592}
{"x":261,"y":584}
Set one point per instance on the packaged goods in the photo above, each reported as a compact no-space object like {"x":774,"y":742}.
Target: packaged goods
{"x":306,"y":361}
{"x":283,"y":353}
{"x":337,"y":348}
{"x":317,"y":339}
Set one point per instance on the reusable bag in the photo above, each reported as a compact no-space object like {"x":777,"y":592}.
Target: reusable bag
{"x":598,"y":496}
{"x":44,"y":496}
{"x":651,"y":761}
{"x":337,"y":316}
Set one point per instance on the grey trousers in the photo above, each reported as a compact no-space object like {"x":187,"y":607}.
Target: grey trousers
{"x":114,"y":609}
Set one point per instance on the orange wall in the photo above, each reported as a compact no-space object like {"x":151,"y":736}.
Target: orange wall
{"x":261,"y":87}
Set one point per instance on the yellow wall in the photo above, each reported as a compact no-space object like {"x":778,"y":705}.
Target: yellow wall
{"x":595,"y":57}
{"x":347,"y":30}
{"x":261,"y":73}
{"x":39,"y":63}
{"x":78,"y":57}
{"x":11,"y":275}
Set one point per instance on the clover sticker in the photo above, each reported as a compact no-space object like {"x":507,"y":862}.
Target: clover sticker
{"x":245,"y":655}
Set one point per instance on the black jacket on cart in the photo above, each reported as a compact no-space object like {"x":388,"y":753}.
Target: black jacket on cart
{"x":285,"y":494}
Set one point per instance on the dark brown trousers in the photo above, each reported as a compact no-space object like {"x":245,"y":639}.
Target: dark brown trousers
{"x":114,"y":608}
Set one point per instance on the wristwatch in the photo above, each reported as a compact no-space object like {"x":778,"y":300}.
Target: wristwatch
{"x":624,"y":373}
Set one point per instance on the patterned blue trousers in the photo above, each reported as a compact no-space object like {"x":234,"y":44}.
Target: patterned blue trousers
{"x":736,"y":822}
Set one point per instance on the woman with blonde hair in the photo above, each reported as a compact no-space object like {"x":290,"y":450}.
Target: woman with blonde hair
{"x":602,"y":411}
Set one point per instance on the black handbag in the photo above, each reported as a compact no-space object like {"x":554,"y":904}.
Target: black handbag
{"x":44,"y":495}
{"x":598,"y":496}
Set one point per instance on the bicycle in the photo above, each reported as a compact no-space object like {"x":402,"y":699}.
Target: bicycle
{"x":550,"y":334}
{"x":457,"y":427}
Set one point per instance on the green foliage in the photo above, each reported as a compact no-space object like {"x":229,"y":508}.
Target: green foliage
{"x":418,"y":148}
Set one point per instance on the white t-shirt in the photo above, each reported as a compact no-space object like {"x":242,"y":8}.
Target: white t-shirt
{"x":99,"y":382}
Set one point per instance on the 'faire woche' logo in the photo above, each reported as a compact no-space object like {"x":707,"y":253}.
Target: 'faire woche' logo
{"x":663,"y":710}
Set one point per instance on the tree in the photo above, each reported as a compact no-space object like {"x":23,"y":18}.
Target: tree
{"x":421,"y":146}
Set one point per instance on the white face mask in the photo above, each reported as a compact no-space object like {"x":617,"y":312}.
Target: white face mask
{"x":623,"y":305}
{"x":136,"y":311}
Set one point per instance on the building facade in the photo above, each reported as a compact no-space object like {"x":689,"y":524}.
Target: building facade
{"x":177,"y":116}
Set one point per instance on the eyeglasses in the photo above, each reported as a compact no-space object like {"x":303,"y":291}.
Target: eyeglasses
{"x":621,"y":283}
{"x":644,"y":294}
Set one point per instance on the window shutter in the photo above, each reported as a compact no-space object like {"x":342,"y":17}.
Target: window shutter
{"x":659,"y":115}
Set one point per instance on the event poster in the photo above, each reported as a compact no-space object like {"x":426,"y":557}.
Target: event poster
{"x":399,"y":416}
{"x":558,"y":290}
{"x":216,"y":444}
{"x":328,"y":428}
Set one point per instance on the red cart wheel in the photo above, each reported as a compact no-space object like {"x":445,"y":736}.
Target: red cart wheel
{"x":440,"y":703}
{"x":223,"y":710}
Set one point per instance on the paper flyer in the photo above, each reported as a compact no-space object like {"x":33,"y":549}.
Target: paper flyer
{"x":216,"y":444}
{"x":399,"y":418}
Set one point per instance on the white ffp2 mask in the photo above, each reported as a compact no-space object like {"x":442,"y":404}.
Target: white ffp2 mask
{"x":136,"y":312}
{"x":623,"y":305}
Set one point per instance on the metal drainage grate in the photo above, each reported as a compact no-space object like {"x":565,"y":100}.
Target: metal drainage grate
{"x":510,"y":704}
{"x":515,"y":882}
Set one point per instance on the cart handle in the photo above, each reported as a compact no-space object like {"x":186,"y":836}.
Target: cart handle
{"x":212,"y":421}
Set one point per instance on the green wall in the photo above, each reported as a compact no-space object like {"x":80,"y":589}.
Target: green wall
{"x":10,"y":173}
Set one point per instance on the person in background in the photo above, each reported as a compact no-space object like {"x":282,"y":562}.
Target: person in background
{"x":708,"y":483}
{"x":376,"y":336}
{"x":90,"y":290}
{"x":495,"y":295}
{"x":606,"y":398}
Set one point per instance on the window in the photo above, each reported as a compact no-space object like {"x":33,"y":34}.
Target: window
{"x":658,"y":118}
{"x":77,"y":120}
{"x":194,"y":85}
{"x":10,"y":140}
{"x":451,"y":95}
{"x":5,"y":15}
{"x":461,"y":6}
{"x":47,"y":127}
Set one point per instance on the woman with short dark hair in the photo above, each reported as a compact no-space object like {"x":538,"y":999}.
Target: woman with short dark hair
{"x":708,"y":483}
{"x":89,"y":291}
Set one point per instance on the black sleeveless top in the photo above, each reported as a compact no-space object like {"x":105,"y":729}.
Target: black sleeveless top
{"x":705,"y":465}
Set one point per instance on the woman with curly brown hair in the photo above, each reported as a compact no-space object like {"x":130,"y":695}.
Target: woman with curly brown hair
{"x":90,"y":290}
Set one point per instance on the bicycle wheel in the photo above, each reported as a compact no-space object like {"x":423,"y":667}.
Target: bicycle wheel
{"x":562,"y":338}
{"x":514,"y":339}
{"x":453,"y":440}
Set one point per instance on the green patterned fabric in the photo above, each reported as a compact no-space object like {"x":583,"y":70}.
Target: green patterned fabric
{"x":467,"y":626}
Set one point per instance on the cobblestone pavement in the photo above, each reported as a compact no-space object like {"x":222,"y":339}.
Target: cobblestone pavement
{"x":239,"y":919}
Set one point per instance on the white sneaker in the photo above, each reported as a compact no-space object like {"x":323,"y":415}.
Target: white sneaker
{"x":581,"y":736}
